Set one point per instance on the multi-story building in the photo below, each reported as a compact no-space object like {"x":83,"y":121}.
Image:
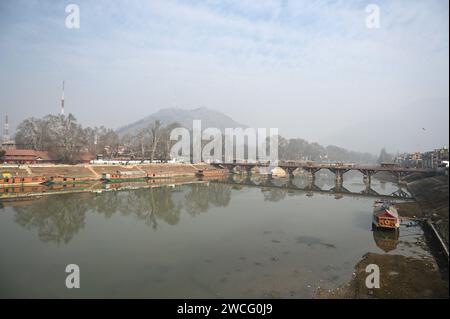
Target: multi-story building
{"x":431,"y":159}
{"x":435,"y":159}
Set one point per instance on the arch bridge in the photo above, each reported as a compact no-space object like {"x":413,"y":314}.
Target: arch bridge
{"x":337,"y":169}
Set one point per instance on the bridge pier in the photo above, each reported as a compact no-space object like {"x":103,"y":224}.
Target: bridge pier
{"x":339,"y":174}
{"x":290,"y":171}
{"x":399,"y":175}
{"x":369,"y":191}
{"x":339,"y":177}
{"x":367,"y":178}
{"x":311,"y":172}
{"x":229,"y":167}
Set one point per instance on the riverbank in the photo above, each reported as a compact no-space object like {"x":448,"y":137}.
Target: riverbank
{"x":432,"y":197}
{"x":419,"y":276}
{"x":95,"y":172}
{"x":401,"y":277}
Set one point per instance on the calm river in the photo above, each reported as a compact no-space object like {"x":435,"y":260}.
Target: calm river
{"x":197,"y":240}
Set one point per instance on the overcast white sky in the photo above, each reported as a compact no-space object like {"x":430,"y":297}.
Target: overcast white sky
{"x":311,"y":68}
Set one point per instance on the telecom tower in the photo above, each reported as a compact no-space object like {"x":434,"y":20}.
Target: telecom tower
{"x":6,"y":130}
{"x":62,"y":100}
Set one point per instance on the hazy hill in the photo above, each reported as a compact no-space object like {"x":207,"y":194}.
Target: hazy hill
{"x":294,"y":148}
{"x":209,"y":118}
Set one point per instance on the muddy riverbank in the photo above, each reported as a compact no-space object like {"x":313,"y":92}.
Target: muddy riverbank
{"x":400,"y":278}
{"x":431,"y":195}
{"x":418,"y":276}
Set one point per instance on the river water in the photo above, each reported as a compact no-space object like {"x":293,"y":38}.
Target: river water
{"x":228,"y":239}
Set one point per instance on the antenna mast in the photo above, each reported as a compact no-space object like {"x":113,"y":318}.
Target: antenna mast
{"x":62,"y":99}
{"x":6,"y":130}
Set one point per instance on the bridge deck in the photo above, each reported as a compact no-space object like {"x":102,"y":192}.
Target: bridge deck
{"x":330,"y":167}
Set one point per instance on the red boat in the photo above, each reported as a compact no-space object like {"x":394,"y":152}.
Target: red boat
{"x":385,"y":215}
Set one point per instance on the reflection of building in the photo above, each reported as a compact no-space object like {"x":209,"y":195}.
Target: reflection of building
{"x":17,"y":156}
{"x":386,"y":240}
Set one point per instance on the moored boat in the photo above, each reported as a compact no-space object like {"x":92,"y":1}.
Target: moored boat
{"x":124,"y":176}
{"x":211,"y":172}
{"x":69,"y":179}
{"x":385,"y":215}
{"x":7,"y":180}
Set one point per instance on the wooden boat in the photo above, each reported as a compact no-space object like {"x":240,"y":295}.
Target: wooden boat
{"x":68,"y":179}
{"x":7,"y":180}
{"x":385,"y":215}
{"x":211,"y":172}
{"x":124,"y":176}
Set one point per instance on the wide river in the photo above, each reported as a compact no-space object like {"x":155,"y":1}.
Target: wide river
{"x":195,"y":240}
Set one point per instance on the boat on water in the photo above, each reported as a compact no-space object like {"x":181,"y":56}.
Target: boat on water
{"x":69,"y":179}
{"x":211,"y":172}
{"x":385,"y":215}
{"x":8,"y":180}
{"x":124,"y":176}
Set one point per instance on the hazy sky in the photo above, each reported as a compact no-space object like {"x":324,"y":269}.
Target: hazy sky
{"x":311,"y":68}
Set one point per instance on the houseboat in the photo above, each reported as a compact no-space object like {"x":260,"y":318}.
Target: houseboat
{"x":211,"y":173}
{"x":69,"y":179}
{"x":7,"y":180}
{"x":124,"y":176}
{"x":385,"y":215}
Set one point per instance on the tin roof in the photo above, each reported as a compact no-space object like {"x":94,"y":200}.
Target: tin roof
{"x":22,"y":154}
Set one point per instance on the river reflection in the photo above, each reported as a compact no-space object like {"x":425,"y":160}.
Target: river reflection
{"x":239,"y":237}
{"x":59,"y":217}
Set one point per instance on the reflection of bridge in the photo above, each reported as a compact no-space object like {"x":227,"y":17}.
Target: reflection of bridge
{"x":288,"y":184}
{"x":338,"y":169}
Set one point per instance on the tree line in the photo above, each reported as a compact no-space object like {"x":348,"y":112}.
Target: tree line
{"x":66,"y":140}
{"x":302,"y":150}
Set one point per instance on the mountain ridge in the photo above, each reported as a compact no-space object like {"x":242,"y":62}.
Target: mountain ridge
{"x":209,"y":118}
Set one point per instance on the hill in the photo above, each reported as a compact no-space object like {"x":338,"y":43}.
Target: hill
{"x":209,"y":118}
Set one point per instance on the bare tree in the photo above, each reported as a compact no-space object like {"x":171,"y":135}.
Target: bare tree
{"x":155,"y":135}
{"x":141,"y":138}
